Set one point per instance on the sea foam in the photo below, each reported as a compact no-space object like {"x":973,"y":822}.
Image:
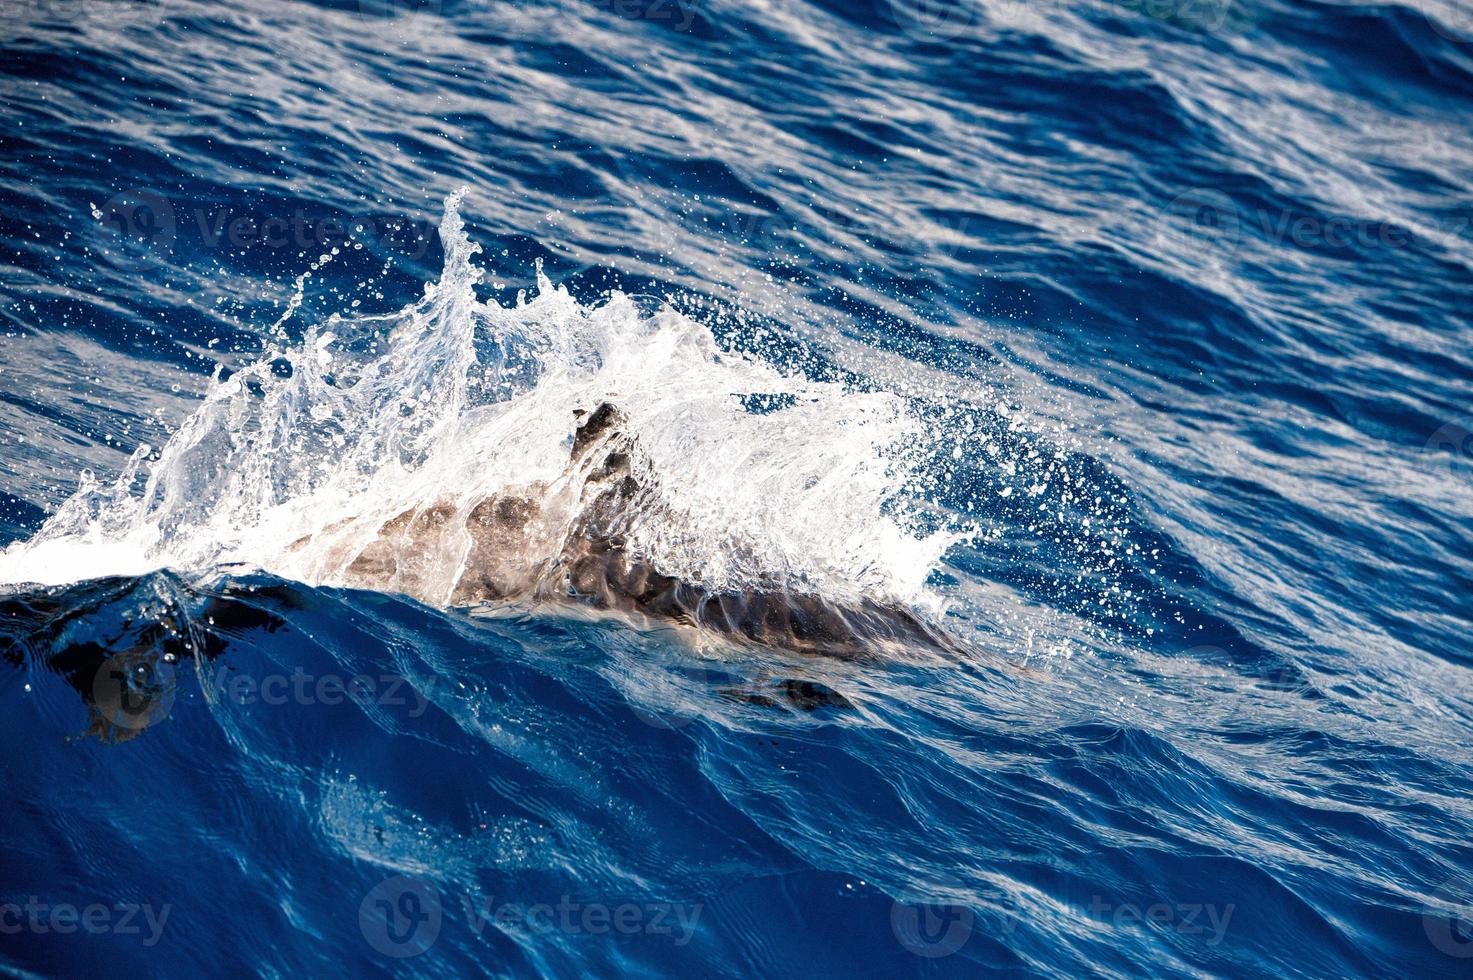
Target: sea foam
{"x":768,"y":479}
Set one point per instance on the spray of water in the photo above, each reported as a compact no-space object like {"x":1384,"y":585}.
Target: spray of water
{"x":294,"y":464}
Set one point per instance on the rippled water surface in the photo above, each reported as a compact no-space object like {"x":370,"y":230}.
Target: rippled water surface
{"x":1123,"y":347}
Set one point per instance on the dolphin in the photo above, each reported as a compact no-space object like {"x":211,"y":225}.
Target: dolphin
{"x":608,"y":482}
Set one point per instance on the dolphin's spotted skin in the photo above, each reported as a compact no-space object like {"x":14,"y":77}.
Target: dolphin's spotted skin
{"x":607,"y":481}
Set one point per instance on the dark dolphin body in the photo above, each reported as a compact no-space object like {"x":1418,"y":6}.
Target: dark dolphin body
{"x":611,"y":484}
{"x":125,"y":665}
{"x":121,"y":643}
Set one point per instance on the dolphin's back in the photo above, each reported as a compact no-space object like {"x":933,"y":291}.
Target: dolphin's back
{"x":594,"y":566}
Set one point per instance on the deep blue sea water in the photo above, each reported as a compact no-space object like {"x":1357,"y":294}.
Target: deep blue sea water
{"x":1172,"y":301}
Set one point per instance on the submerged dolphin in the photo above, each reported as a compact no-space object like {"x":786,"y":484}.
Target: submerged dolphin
{"x":607,"y":483}
{"x":580,"y":519}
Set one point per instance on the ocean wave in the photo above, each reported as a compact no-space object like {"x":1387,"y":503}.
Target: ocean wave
{"x":766,"y":479}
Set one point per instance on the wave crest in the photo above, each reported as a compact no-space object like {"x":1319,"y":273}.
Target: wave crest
{"x":294,"y":464}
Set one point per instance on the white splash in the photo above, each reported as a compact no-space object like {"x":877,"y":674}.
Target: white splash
{"x":452,"y":399}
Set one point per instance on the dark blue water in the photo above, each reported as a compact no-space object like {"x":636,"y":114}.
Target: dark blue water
{"x":1188,"y":285}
